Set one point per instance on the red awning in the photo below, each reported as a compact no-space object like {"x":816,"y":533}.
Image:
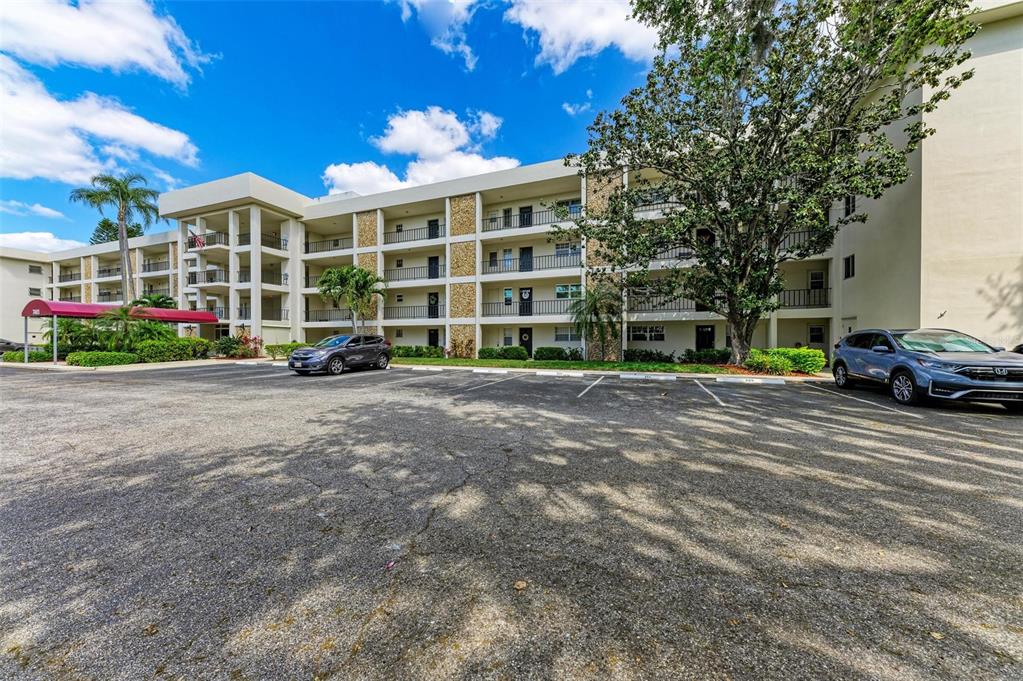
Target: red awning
{"x":60,"y":308}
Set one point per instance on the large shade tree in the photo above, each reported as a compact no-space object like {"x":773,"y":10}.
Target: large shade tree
{"x":133,"y":202}
{"x":356,"y":287}
{"x":756,"y":119}
{"x":106,"y":231}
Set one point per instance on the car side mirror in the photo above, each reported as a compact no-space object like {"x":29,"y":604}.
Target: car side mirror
{"x":881,"y":348}
{"x":998,"y":349}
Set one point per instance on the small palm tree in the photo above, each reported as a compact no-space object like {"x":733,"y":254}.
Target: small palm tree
{"x":358,"y":288}
{"x":116,"y":325}
{"x":597,"y":314}
{"x":131,"y":202}
{"x":155,"y":300}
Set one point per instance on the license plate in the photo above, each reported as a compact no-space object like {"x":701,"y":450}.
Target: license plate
{"x":298,"y":364}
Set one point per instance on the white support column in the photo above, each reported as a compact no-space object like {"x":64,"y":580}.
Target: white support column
{"x":772,"y":330}
{"x":836,"y":281}
{"x":234,"y":266}
{"x":256,"y":271}
{"x":138,"y":273}
{"x":182,"y":271}
{"x":447,"y":265}
{"x":200,"y":261}
{"x":296,"y":276}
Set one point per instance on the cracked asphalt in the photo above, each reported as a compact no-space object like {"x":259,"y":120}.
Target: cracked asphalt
{"x":239,"y":522}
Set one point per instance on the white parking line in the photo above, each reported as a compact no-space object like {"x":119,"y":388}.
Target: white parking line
{"x":873,"y":404}
{"x":489,"y":371}
{"x":590,"y":386}
{"x":716,"y":398}
{"x":477,"y":387}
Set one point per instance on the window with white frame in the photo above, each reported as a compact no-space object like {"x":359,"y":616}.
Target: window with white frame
{"x":35,"y":292}
{"x":399,"y":263}
{"x":646,"y":333}
{"x":849,"y":266}
{"x":565,"y":291}
{"x":35,"y":269}
{"x":817,"y":280}
{"x":566,"y":249}
{"x":399,"y":333}
{"x":508,"y":338}
{"x":850,"y":205}
{"x":815,"y":334}
{"x":399,"y":298}
{"x":399,"y":228}
{"x":564,"y":334}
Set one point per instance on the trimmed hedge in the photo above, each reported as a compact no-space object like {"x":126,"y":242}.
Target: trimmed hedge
{"x":803,"y":360}
{"x":764,"y":363}
{"x":645,"y":355}
{"x":550,"y":353}
{"x":33,"y":356}
{"x":173,"y":350}
{"x":711,"y":356}
{"x":490,"y":353}
{"x":284,"y":350}
{"x":514,"y":352}
{"x":100,"y":359}
{"x":416,"y":351}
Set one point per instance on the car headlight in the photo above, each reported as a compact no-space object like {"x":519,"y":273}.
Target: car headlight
{"x":940,"y":366}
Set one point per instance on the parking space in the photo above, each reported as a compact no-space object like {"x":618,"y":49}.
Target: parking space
{"x":421,"y":524}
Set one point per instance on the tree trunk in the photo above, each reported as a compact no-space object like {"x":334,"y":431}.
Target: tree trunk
{"x":741,"y":332}
{"x":127,"y":278}
{"x":355,"y":323}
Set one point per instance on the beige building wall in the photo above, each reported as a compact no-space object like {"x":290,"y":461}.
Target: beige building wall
{"x":16,"y":280}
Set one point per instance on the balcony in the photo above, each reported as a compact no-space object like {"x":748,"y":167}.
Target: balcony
{"x":108,"y":272}
{"x":433,"y":230}
{"x":70,"y":276}
{"x":527,"y":308}
{"x":435,"y":271}
{"x":220,"y":312}
{"x":208,"y":239}
{"x":311,"y":280}
{"x":527,"y":219}
{"x":157,"y":292}
{"x":70,"y":299}
{"x":207,"y":277}
{"x":804,"y":298}
{"x":645,"y":303}
{"x":155,"y":266}
{"x":275,"y":314}
{"x":338,"y":244}
{"x":415,"y":312}
{"x":267,"y":240}
{"x":270,"y":277}
{"x":532,"y":263}
{"x":244,"y":312}
{"x":109,"y":296}
{"x":329,"y":315}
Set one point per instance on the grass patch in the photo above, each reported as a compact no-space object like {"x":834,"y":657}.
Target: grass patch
{"x":663,"y":367}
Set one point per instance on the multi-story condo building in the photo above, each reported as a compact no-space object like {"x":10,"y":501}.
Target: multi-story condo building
{"x":473,"y":262}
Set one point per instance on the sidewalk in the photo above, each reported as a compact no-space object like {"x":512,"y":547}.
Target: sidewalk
{"x":642,"y":375}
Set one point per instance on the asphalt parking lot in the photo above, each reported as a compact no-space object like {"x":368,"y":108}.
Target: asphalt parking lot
{"x":241,"y":522}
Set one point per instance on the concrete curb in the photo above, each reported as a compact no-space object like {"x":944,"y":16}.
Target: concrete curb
{"x":43,"y":366}
{"x":627,"y":375}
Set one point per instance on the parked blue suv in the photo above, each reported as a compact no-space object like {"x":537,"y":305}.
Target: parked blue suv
{"x":930,"y":363}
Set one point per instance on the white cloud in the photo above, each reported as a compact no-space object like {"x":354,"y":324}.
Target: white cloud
{"x":37,"y":241}
{"x":445,"y":22}
{"x":572,"y":29}
{"x":575,"y":109}
{"x":72,"y":140}
{"x":13,"y":207}
{"x":115,"y":34}
{"x":444,"y":146}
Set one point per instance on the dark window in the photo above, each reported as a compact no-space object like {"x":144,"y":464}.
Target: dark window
{"x":816,"y":280}
{"x":849,"y":266}
{"x":355,"y":342}
{"x":850,"y":205}
{"x":816,"y":334}
{"x":399,"y":228}
{"x":35,"y":269}
{"x":881,"y":339}
{"x":492,"y":258}
{"x":399,"y":263}
{"x":399,"y":333}
{"x":525,"y":216}
{"x":35,"y":292}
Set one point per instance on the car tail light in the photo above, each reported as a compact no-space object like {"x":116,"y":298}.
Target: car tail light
{"x":387,"y":344}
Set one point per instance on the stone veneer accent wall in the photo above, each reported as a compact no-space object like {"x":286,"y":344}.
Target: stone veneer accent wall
{"x":463,"y":259}
{"x":463,"y":215}
{"x":368,"y":261}
{"x":598,"y":190}
{"x":463,"y":301}
{"x":613,"y":347}
{"x":463,"y":340}
{"x":367,"y":225}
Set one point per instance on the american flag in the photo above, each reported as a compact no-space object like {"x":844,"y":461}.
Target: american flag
{"x":199,"y":241}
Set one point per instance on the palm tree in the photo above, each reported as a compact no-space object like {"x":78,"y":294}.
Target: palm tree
{"x":131,"y":202}
{"x":117,"y":325}
{"x":597,"y":314}
{"x":155,"y":300}
{"x":357,"y":287}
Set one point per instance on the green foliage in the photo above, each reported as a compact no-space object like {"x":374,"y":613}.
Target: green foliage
{"x":597,"y":314}
{"x":74,"y":335}
{"x":106,"y":231}
{"x":356,"y":287}
{"x":758,"y":118}
{"x":644,"y":355}
{"x":173,"y":350}
{"x":416,"y":351}
{"x":514,"y":352}
{"x":155,"y":300}
{"x":764,"y":363}
{"x":573,"y":364}
{"x":100,"y":359}
{"x":33,"y":356}
{"x":284,"y":350}
{"x":227,"y":346}
{"x":549,"y":352}
{"x":710,"y":356}
{"x":122,"y":329}
{"x":490,"y":353}
{"x":574,"y":354}
{"x":803,"y":360}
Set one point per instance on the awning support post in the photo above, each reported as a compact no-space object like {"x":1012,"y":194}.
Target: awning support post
{"x":54,"y":338}
{"x":26,"y":340}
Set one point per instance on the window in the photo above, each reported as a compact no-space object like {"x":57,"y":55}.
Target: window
{"x":508,"y":338}
{"x":817,"y":280}
{"x":574,"y":206}
{"x":35,"y":292}
{"x":399,"y":297}
{"x":849,"y":266}
{"x":506,"y":255}
{"x":815,"y":334}
{"x":566,"y":249}
{"x":850,"y":205}
{"x":506,"y":217}
{"x":564,"y":291}
{"x":35,"y":269}
{"x":525,"y":216}
{"x":399,"y":263}
{"x":492,"y":258}
{"x":507,"y":296}
{"x":564,"y":334}
{"x":646,"y":333}
{"x":399,"y":333}
{"x":399,"y":228}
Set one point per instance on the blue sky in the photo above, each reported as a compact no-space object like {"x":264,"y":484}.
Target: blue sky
{"x":318,"y":96}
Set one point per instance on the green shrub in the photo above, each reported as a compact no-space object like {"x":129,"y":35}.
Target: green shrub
{"x":514,"y":352}
{"x":33,"y":356}
{"x":803,"y":360}
{"x":550,"y":353}
{"x":100,"y":359}
{"x":228,"y":346}
{"x":416,"y":351}
{"x":284,"y":350}
{"x":199,"y":347}
{"x":645,"y":355}
{"x":764,"y":363}
{"x":574,"y":354}
{"x":709,"y":356}
{"x":490,"y":353}
{"x":173,"y":349}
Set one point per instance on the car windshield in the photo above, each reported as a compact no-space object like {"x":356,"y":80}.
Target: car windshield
{"x":332,"y":342}
{"x":940,"y":341}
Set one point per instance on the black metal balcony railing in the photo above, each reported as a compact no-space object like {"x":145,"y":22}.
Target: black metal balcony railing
{"x":311,"y":280}
{"x":108,"y":296}
{"x":157,"y":292}
{"x":270,"y":241}
{"x":338,"y":244}
{"x":658,"y":205}
{"x":221,"y":312}
{"x":207,"y":277}
{"x":431,"y":231}
{"x":155,"y":266}
{"x":275,"y":314}
{"x":645,"y":303}
{"x":244,"y":239}
{"x":329,"y":315}
{"x":108,"y":272}
{"x":674,"y":253}
{"x":244,"y":312}
{"x":71,"y":299}
{"x":532,"y":263}
{"x":794,"y":240}
{"x":415,"y":312}
{"x":244,"y":276}
{"x":275,"y":278}
{"x":805,"y":297}
{"x":209,"y":239}
{"x":420,"y":272}
{"x":527,"y":308}
{"x":70,"y":276}
{"x":526,"y":219}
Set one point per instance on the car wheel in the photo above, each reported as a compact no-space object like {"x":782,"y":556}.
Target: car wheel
{"x":903,"y":388}
{"x":841,"y":375}
{"x":335,"y":366}
{"x":382,"y":361}
{"x":1013,"y":407}
{"x":301,"y":372}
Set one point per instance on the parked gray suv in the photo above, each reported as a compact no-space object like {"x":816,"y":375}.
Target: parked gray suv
{"x":334,"y":353}
{"x":930,"y":363}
